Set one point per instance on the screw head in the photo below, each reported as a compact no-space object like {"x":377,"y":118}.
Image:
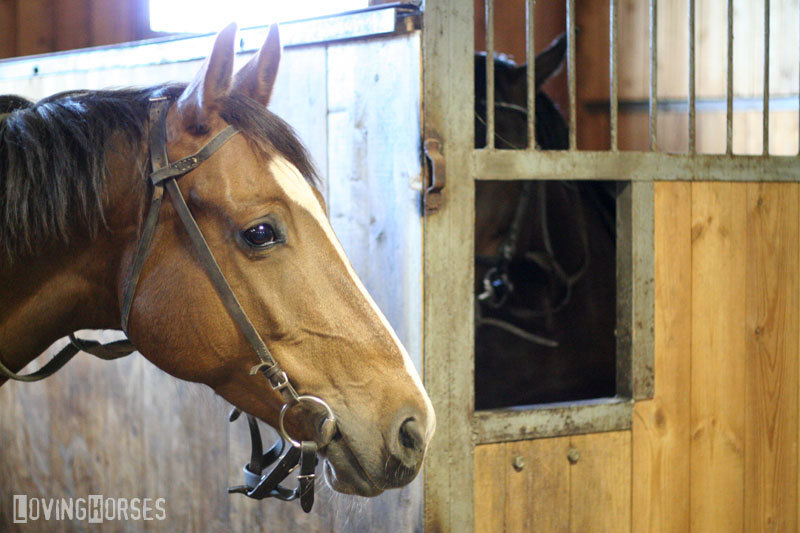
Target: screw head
{"x":518,"y":463}
{"x":573,"y":455}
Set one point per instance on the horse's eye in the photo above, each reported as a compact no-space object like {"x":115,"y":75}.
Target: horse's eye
{"x":261,"y":235}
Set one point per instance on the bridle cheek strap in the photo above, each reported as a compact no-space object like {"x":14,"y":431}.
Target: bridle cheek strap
{"x":164,"y":175}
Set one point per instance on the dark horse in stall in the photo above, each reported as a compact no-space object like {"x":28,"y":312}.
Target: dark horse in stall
{"x":546,"y":309}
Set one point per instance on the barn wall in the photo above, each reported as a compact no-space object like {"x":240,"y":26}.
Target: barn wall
{"x":30,"y":27}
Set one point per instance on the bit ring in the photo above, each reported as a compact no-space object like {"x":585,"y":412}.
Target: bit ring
{"x":304,"y":398}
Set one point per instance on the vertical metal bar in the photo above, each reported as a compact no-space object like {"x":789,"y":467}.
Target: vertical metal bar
{"x":765,"y":139}
{"x":692,"y":95}
{"x":653,"y":72}
{"x":489,"y":74}
{"x":573,"y":139}
{"x":729,"y":94}
{"x":613,"y":74}
{"x":531,"y":55}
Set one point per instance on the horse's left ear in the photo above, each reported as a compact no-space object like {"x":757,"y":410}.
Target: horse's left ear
{"x":212,"y":83}
{"x":257,"y":78}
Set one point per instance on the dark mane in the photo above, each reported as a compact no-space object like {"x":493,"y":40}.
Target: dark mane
{"x":53,"y":157}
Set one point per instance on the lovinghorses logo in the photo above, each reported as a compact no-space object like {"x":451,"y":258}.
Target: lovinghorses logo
{"x":94,"y":509}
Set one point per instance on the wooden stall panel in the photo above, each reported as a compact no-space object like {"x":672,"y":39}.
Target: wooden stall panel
{"x":718,"y":356}
{"x":565,"y":484}
{"x":531,"y":496}
{"x":661,"y":438}
{"x":771,"y":433}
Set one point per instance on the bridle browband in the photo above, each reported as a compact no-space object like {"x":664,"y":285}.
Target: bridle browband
{"x":163,"y":176}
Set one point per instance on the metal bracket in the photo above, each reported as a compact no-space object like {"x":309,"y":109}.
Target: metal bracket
{"x":436,"y":177}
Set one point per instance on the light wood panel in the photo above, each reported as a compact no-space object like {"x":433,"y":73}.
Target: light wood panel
{"x":661,"y":439}
{"x":550,"y":494}
{"x":772,"y":358}
{"x":600,"y":483}
{"x":718,"y":356}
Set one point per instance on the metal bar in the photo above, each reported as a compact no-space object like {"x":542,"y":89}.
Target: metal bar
{"x":702,"y":105}
{"x":613,"y":74}
{"x":551,"y":420}
{"x":653,"y":73}
{"x":531,"y":56}
{"x":692,"y":110}
{"x":729,"y":89}
{"x":633,"y":166}
{"x":573,"y":138}
{"x":765,"y":139}
{"x":489,"y":74}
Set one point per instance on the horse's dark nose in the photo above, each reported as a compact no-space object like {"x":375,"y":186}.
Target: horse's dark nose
{"x":409,"y":443}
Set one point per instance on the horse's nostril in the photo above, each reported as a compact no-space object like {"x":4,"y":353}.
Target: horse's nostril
{"x":411,"y":435}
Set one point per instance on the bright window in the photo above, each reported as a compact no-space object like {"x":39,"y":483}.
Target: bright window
{"x":202,"y":16}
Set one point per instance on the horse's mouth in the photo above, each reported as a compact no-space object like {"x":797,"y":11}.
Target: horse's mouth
{"x":344,"y":473}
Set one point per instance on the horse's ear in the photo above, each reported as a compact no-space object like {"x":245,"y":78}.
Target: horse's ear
{"x":211,"y":83}
{"x":550,"y":60}
{"x":257,"y":77}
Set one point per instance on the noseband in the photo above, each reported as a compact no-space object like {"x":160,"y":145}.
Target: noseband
{"x":257,"y":485}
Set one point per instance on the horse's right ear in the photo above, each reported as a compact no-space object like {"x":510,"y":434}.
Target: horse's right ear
{"x":550,"y":60}
{"x":210,"y":85}
{"x":257,"y":78}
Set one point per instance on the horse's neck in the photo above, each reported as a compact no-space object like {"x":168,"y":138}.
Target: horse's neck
{"x":46,"y":298}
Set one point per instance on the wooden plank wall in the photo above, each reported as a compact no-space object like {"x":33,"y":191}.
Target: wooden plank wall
{"x":40,"y":26}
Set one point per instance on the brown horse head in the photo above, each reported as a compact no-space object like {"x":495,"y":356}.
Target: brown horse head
{"x":266,"y":224}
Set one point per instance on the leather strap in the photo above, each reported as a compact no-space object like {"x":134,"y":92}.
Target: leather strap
{"x":158,"y":159}
{"x":269,"y":366}
{"x":187,"y":164}
{"x":109,"y":351}
{"x":308,"y":462}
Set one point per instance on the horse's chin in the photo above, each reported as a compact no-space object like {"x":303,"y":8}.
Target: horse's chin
{"x":343,"y":474}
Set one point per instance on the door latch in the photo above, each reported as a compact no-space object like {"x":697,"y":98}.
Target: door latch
{"x":436,"y":170}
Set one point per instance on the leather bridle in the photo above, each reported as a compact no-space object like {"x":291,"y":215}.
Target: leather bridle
{"x":164,"y":175}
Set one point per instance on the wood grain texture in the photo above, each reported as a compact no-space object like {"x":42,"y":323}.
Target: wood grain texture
{"x":491,"y":473}
{"x":772,"y":358}
{"x":600,"y":483}
{"x":661,"y":439}
{"x":718,"y":356}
